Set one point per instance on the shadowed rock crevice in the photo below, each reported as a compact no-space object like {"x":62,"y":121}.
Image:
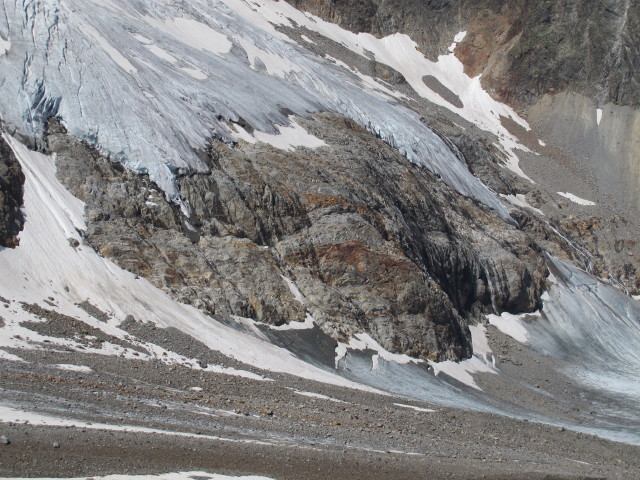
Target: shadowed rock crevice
{"x":522,"y":49}
{"x":11,"y":198}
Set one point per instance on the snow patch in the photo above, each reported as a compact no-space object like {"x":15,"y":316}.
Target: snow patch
{"x":512,"y":325}
{"x":480,"y":343}
{"x":162,"y":54}
{"x":363,"y":341}
{"x":318,"y":395}
{"x":288,"y":138}
{"x":598,"y":116}
{"x":456,"y":40}
{"x":308,"y":324}
{"x":307,"y":39}
{"x":193,"y":33}
{"x":293,"y":288}
{"x":462,"y":371}
{"x":372,"y":85}
{"x":262,"y":58}
{"x":73,"y":368}
{"x":5,"y":46}
{"x":482,"y":360}
{"x":195,"y":73}
{"x":161,"y":476}
{"x":109,"y":49}
{"x":576,"y":199}
{"x":541,"y":143}
{"x":417,"y":409}
{"x":520,"y":200}
{"x":10,"y":356}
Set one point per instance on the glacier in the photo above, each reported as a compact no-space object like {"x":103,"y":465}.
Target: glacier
{"x":150,"y":82}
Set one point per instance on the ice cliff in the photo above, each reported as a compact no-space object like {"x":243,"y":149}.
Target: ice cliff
{"x":148,"y":82}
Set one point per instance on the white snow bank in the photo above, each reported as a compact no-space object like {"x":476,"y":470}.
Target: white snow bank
{"x":520,"y":200}
{"x":5,"y":46}
{"x":195,"y":73}
{"x":293,"y":288}
{"x":480,"y":343}
{"x":462,"y":371}
{"x":512,"y":325}
{"x":417,"y":409}
{"x":73,"y":368}
{"x":266,"y":59}
{"x":193,"y":33}
{"x":14,"y":415}
{"x":307,"y":39}
{"x":10,"y":356}
{"x":363,"y":341}
{"x":288,"y":138}
{"x":308,"y":324}
{"x":456,"y":40}
{"x":598,"y":116}
{"x":576,"y":199}
{"x":162,"y":54}
{"x":479,"y":363}
{"x":160,"y":476}
{"x":318,"y":395}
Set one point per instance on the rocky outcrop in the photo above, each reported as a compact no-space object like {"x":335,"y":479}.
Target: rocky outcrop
{"x":522,"y":49}
{"x":11,"y":182}
{"x":372,"y":242}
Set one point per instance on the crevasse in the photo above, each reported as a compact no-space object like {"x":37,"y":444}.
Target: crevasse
{"x":148,"y":82}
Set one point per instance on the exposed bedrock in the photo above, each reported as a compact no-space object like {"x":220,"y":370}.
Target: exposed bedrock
{"x":373,"y":243}
{"x":522,"y":49}
{"x":11,"y":182}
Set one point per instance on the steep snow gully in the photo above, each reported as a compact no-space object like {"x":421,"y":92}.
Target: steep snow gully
{"x":128,"y":76}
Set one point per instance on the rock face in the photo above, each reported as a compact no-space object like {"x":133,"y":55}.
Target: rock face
{"x":353,"y":234}
{"x":11,"y":181}
{"x":372,"y":242}
{"x":571,"y":69}
{"x":522,"y":49}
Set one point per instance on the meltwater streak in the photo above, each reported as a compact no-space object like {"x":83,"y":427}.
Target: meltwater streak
{"x":130,"y":79}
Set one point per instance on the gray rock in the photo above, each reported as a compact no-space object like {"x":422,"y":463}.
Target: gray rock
{"x":373,"y":243}
{"x":11,"y":197}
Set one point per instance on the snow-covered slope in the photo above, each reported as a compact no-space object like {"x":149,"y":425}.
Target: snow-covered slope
{"x":148,"y":82}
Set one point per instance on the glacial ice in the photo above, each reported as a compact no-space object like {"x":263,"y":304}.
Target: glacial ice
{"x":149,"y":82}
{"x":594,"y":327}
